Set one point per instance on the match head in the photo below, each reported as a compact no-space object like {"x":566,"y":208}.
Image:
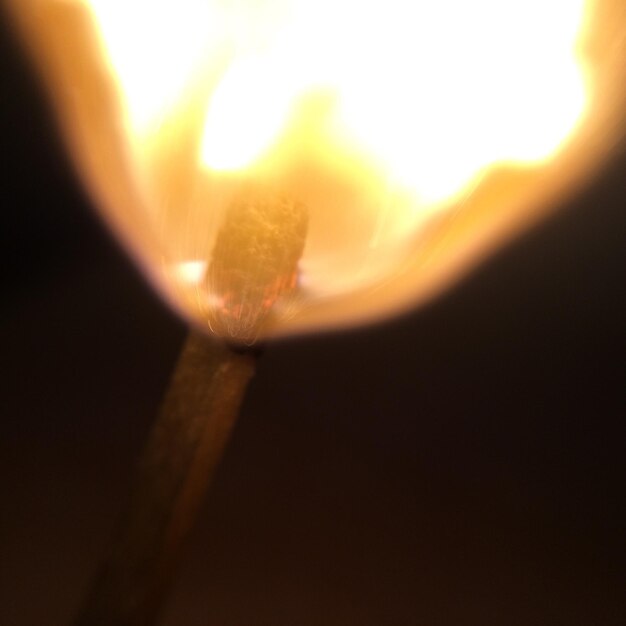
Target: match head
{"x":254,"y":263}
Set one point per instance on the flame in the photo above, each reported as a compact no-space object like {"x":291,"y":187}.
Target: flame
{"x":384,"y":119}
{"x":433,"y":92}
{"x":153,"y":48}
{"x":416,"y":98}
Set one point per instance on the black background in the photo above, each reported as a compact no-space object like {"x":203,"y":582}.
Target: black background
{"x":463,"y":465}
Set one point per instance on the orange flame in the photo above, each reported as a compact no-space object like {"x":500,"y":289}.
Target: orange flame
{"x":382,"y":118}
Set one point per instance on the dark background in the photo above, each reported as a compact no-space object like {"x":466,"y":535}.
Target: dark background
{"x":463,"y":465}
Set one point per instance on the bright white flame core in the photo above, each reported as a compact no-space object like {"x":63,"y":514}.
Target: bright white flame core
{"x":154,"y":48}
{"x":378,"y":116}
{"x":431,"y":91}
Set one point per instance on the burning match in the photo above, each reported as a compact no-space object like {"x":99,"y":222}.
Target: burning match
{"x":288,"y":167}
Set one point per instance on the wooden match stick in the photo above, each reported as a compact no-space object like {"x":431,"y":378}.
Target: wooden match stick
{"x":254,"y":263}
{"x":178,"y":462}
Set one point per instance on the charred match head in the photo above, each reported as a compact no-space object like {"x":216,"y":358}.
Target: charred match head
{"x":254,"y":263}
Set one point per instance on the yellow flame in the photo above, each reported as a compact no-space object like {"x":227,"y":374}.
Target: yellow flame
{"x":380,"y":117}
{"x":154,"y":48}
{"x":432,"y":92}
{"x":247,"y":112}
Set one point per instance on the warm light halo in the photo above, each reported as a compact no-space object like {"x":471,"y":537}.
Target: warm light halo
{"x":387,"y":231}
{"x":519,"y":101}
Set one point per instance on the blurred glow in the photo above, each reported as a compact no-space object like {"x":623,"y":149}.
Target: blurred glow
{"x":431,"y":91}
{"x":247,"y":112}
{"x":461,"y":85}
{"x":191,"y":272}
{"x":382,"y":119}
{"x":155,"y":48}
